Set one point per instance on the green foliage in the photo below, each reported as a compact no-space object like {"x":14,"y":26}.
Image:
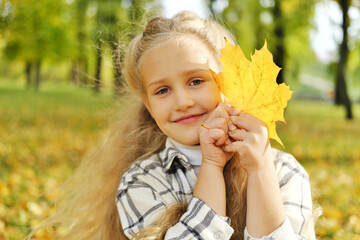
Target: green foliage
{"x":37,"y":31}
{"x":108,"y":18}
{"x":44,"y":136}
{"x":253,"y":21}
{"x":71,"y":31}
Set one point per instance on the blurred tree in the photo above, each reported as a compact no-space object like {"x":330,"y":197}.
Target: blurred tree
{"x":291,"y":25}
{"x":136,"y":15}
{"x":285,"y":25}
{"x":238,"y":17}
{"x":341,"y":95}
{"x":115,"y":26}
{"x":242,"y":17}
{"x":138,"y":12}
{"x":36,"y":32}
{"x":211,"y":6}
{"x":107,"y":18}
{"x":279,"y":30}
{"x":5,"y":9}
{"x":80,"y":61}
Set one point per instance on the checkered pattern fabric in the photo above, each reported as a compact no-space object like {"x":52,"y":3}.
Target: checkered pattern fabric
{"x":167,"y":178}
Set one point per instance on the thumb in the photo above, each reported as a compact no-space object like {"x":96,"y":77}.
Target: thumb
{"x":212,"y":136}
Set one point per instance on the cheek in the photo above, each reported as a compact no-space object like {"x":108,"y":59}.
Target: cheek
{"x":216,"y":93}
{"x":211,"y":99}
{"x":158,"y":110}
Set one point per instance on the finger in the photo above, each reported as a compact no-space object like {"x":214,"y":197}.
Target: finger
{"x":222,"y":140}
{"x":246,"y":122}
{"x":225,"y":111}
{"x":219,"y":112}
{"x":220,"y":123}
{"x":238,"y":134}
{"x":252,"y":118}
{"x":212,"y":136}
{"x":236,"y":146}
{"x":231,"y":110}
{"x":241,"y":123}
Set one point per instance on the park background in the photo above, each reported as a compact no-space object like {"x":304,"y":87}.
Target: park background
{"x":60,"y":75}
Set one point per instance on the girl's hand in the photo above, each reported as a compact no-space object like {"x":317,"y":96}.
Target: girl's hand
{"x":216,"y":136}
{"x":251,"y":140}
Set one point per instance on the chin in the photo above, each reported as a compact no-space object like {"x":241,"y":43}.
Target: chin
{"x":188,"y":141}
{"x":192,"y":142}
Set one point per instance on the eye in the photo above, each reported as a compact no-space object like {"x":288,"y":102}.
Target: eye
{"x":196,"y":82}
{"x":162,"y":91}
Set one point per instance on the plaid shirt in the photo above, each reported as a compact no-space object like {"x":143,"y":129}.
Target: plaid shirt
{"x":167,"y":178}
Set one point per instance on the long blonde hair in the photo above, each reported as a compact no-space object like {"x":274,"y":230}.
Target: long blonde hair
{"x":87,"y":208}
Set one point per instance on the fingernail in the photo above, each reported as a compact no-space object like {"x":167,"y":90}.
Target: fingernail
{"x":237,"y":111}
{"x":232,"y":127}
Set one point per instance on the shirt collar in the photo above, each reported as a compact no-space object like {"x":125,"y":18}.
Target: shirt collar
{"x":170,"y":153}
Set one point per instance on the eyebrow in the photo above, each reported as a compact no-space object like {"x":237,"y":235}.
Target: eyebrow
{"x":195,"y":70}
{"x":188,"y":72}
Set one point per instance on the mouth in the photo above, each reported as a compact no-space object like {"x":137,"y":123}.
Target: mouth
{"x":189,"y":118}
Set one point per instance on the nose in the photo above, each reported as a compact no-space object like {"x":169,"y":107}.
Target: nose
{"x":183,"y":99}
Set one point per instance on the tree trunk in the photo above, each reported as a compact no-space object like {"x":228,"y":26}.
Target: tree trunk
{"x":37,"y":74}
{"x":28,"y":67}
{"x":81,"y":57}
{"x":83,"y":67}
{"x":75,"y":73}
{"x":97,"y":83}
{"x":211,"y":8}
{"x":117,"y":59}
{"x":279,"y":55}
{"x":258,"y":26}
{"x":341,"y":96}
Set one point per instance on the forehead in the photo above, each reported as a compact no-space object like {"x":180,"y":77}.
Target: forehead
{"x":172,"y":57}
{"x":182,"y":46}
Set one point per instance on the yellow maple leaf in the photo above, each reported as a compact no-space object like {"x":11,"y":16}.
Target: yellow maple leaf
{"x":251,"y":86}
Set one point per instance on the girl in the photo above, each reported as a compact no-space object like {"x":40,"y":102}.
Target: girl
{"x":161,"y":174}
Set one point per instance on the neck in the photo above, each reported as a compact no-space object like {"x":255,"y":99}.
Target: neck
{"x":192,"y":152}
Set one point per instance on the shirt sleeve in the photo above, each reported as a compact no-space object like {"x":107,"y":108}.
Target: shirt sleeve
{"x":296,"y":195}
{"x":140,"y":203}
{"x":200,"y":222}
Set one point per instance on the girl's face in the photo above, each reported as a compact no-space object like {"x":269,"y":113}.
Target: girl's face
{"x":180,"y":90}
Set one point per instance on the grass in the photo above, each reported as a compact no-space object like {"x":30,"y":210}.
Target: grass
{"x":328,"y":147}
{"x":44,"y":135}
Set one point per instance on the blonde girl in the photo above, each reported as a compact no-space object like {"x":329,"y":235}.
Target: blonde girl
{"x":179,"y":163}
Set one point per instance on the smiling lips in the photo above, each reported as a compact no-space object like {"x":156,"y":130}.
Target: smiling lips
{"x":189,"y":118}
